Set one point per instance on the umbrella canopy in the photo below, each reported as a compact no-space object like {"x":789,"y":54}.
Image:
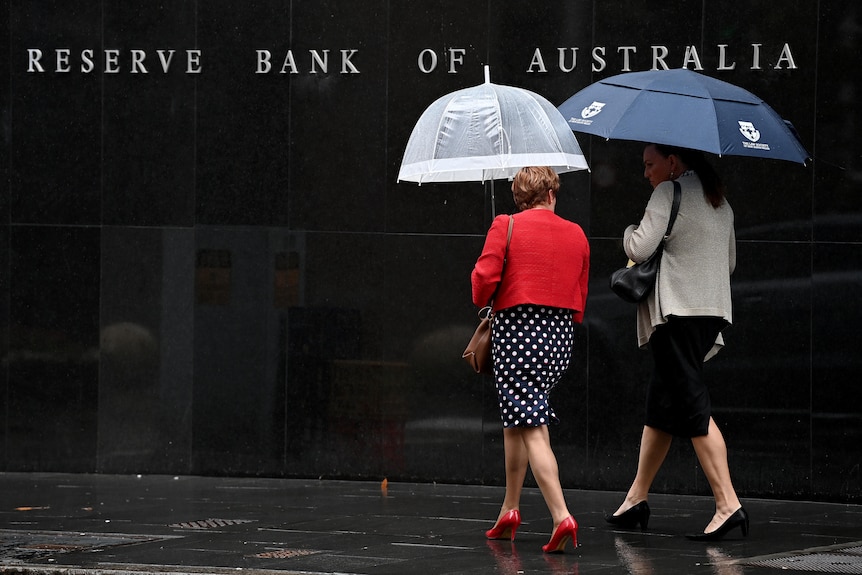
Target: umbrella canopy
{"x":488,"y":132}
{"x":685,"y":109}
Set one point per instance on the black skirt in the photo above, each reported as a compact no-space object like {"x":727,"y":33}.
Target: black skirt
{"x":677,"y":398}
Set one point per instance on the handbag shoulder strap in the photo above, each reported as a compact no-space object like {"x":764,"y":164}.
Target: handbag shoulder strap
{"x":508,"y":241}
{"x":677,"y":197}
{"x":505,"y":258}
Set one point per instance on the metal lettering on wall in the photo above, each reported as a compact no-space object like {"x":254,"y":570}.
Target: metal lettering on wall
{"x":348,"y":61}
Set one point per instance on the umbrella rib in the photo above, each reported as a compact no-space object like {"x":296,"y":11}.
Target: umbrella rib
{"x":556,"y":137}
{"x":440,"y":123}
{"x":499,"y":118}
{"x":714,"y":120}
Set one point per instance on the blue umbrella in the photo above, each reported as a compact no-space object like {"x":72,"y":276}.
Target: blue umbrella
{"x":685,"y":109}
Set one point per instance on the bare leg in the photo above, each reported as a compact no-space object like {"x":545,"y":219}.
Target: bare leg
{"x":712,"y":454}
{"x":654,"y":447}
{"x":516,"y":468}
{"x":545,"y":470}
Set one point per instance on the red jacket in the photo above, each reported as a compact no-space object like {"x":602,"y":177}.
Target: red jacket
{"x":548,"y":263}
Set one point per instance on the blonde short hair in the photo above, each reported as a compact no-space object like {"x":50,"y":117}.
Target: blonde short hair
{"x":531,"y":185}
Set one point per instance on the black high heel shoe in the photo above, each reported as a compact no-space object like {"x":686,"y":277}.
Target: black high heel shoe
{"x":631,"y":516}
{"x":738,"y":519}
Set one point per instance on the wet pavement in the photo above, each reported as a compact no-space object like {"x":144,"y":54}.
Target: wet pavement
{"x":109,"y":524}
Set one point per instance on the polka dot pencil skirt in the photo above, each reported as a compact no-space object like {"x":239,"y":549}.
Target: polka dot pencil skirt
{"x":531,"y":348}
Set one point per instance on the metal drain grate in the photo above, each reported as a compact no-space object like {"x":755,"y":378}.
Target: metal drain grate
{"x":834,"y":560}
{"x":210,"y":523}
{"x":285,"y":553}
{"x":17,"y":546}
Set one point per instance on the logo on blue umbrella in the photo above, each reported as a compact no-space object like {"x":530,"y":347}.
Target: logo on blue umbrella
{"x":749,"y":131}
{"x":588,"y":112}
{"x":592,"y":110}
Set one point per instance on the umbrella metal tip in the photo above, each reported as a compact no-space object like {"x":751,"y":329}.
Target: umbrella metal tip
{"x":487,"y":74}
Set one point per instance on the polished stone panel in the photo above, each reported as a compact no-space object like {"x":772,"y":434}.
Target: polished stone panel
{"x":429,"y":33}
{"x":428,"y":324}
{"x":146,"y":360}
{"x":760,"y":382}
{"x":836,"y":363}
{"x":53,"y":359}
{"x":837,"y":213}
{"x":242,"y":127}
{"x":5,"y":152}
{"x":149,"y":129}
{"x":215,"y":271}
{"x":336,"y":118}
{"x":4,"y":341}
{"x":618,"y":373}
{"x":344,"y":411}
{"x":56,"y":157}
{"x":238,"y":351}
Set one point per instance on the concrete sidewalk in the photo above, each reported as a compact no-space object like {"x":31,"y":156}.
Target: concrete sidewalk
{"x":87,"y":524}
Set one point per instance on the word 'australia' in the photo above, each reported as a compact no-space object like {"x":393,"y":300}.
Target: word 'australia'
{"x":659,"y":58}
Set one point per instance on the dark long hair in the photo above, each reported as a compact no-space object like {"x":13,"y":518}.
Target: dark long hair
{"x":713,"y":187}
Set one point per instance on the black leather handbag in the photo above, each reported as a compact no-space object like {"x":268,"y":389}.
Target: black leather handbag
{"x":635,"y":283}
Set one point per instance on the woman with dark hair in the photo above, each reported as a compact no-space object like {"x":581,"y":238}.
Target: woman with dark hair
{"x":681,"y":323}
{"x":540,"y":296}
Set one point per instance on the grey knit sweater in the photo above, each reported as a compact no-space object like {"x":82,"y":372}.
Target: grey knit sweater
{"x":699,"y":256}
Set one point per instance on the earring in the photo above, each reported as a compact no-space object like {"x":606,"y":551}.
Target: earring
{"x":671,"y":174}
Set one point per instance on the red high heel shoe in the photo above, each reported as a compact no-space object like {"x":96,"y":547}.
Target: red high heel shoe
{"x":506,"y":526}
{"x":568,"y":529}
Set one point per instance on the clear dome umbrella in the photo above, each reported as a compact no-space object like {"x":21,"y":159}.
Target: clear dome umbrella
{"x":488,"y":132}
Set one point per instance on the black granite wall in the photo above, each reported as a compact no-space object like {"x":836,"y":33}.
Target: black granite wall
{"x":208,"y":267}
